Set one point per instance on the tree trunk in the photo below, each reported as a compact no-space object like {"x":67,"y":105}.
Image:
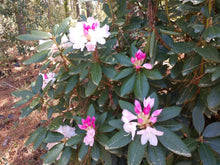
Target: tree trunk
{"x":20,"y":21}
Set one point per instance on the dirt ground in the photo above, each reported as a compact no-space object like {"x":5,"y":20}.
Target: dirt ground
{"x":14,"y":131}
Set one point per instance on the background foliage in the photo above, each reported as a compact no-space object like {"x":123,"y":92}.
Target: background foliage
{"x":181,"y":40}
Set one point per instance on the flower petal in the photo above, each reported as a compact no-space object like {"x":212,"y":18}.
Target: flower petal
{"x":149,"y":101}
{"x":138,"y":106}
{"x":157,"y":112}
{"x":147,"y":66}
{"x":127,"y":116}
{"x":130,"y":128}
{"x":153,"y":119}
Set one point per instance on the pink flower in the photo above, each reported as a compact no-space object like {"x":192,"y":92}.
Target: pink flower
{"x":89,"y":138}
{"x":88,"y":34}
{"x":144,"y":121}
{"x":49,"y":77}
{"x":89,"y":126}
{"x":139,"y":59}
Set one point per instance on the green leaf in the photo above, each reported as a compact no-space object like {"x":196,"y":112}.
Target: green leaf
{"x":206,"y":81}
{"x":197,"y":116}
{"x":96,"y":73}
{"x":191,"y":64}
{"x":216,"y":74}
{"x":124,"y":73}
{"x":102,"y":139}
{"x":55,"y":124}
{"x":103,"y":97}
{"x":172,"y":142}
{"x":120,"y":139}
{"x":153,"y":74}
{"x":126,"y":105}
{"x":40,"y":138}
{"x":212,"y":130}
{"x":123,"y":59}
{"x":214,"y":143}
{"x":168,"y":113}
{"x":39,"y":83}
{"x":133,"y":49}
{"x":187,"y":94}
{"x":23,"y":94}
{"x":106,"y":157}
{"x":37,"y":35}
{"x":90,"y":89}
{"x":210,"y":53}
{"x":63,"y":26}
{"x":95,"y":152}
{"x":169,"y":32}
{"x":66,"y":155}
{"x":156,"y":155}
{"x":206,"y":155}
{"x":82,"y":152}
{"x":152,"y":44}
{"x":141,"y":86}
{"x":116,"y":123}
{"x":191,"y":143}
{"x":213,"y":98}
{"x":176,"y":70}
{"x":136,"y":151}
{"x":41,"y":56}
{"x":128,"y":85}
{"x":105,"y":128}
{"x":45,"y":46}
{"x":75,"y":139}
{"x":33,"y":136}
{"x":109,"y":71}
{"x":107,"y":10}
{"x":170,"y":124}
{"x":211,"y":32}
{"x":101,"y":119}
{"x":53,"y":137}
{"x":26,"y":111}
{"x":53,"y":153}
{"x":183,"y":47}
{"x":71,"y":84}
{"x":91,"y":111}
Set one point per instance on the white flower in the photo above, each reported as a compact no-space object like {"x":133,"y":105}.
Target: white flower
{"x":47,"y":78}
{"x":130,"y":128}
{"x":88,"y":34}
{"x":149,"y":134}
{"x":67,"y":131}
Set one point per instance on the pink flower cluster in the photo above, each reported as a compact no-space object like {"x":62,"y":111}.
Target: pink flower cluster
{"x":89,"y":126}
{"x":88,"y":34}
{"x":49,"y":77}
{"x":139,"y":59}
{"x":144,"y":122}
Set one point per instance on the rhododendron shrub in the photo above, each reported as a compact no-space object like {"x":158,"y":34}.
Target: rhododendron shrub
{"x":111,"y":95}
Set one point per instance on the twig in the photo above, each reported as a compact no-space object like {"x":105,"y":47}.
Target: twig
{"x":7,"y":84}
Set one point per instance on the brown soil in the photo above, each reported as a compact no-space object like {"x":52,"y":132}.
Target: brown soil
{"x":14,"y":131}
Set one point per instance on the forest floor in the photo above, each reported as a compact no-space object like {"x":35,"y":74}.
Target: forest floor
{"x":14,"y":131}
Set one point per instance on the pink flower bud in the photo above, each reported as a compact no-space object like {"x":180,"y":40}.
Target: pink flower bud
{"x":133,"y":60}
